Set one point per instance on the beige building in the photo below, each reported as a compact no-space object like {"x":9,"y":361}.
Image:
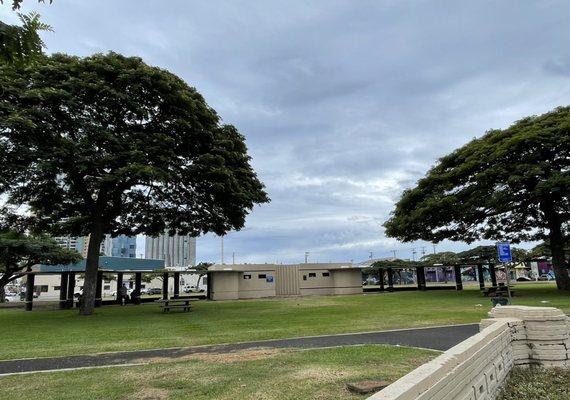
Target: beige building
{"x":252,"y":281}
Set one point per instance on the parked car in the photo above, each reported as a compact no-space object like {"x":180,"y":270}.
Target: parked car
{"x":10,"y":298}
{"x":192,"y":289}
{"x":545,"y":277}
{"x":129,"y":291}
{"x":154,"y":291}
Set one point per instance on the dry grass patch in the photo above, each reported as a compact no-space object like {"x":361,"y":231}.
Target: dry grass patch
{"x":258,"y":374}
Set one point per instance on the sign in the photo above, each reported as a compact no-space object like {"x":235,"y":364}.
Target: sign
{"x":269,"y":279}
{"x":504,"y":252}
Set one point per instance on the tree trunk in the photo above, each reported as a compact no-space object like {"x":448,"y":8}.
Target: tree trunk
{"x":557,"y":242}
{"x":87,"y":303}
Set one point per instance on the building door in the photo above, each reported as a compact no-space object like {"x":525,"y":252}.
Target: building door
{"x":287,"y":280}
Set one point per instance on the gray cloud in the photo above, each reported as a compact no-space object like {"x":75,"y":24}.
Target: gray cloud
{"x":344,"y":104}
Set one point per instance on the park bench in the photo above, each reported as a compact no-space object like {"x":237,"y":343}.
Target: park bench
{"x":497,"y":289}
{"x":169,"y":304}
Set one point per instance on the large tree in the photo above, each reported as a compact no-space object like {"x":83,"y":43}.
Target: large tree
{"x":20,"y":252}
{"x":108,"y":144}
{"x":22,"y":44}
{"x":510,"y":184}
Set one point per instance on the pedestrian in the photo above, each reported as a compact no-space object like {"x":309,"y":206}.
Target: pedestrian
{"x":123,"y":295}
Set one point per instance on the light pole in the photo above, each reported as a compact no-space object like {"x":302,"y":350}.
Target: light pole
{"x":306,"y":257}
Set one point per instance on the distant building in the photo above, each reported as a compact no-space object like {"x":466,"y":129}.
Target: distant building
{"x":77,"y":243}
{"x":178,"y":251}
{"x":120,"y":246}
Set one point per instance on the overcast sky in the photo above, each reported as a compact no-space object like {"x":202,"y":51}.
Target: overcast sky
{"x":343,"y":103}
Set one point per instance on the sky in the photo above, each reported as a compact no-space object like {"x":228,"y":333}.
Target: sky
{"x":343,"y":104}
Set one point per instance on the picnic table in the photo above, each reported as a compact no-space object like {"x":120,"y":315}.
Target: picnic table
{"x":169,"y":304}
{"x":497,"y":289}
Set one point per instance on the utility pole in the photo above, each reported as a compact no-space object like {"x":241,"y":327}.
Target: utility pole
{"x":233,"y":257}
{"x":371,"y":255}
{"x":413,"y":254}
{"x":423,"y":251}
{"x":434,"y":247}
{"x":306,"y":257}
{"x":394,"y":252}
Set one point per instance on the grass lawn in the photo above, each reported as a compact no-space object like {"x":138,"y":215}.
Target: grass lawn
{"x":313,"y":374}
{"x":112,"y":328}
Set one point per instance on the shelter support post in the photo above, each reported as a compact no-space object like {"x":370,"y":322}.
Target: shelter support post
{"x":390,"y":279}
{"x":381,"y":278}
{"x":98,"y":290}
{"x":480,"y":276}
{"x":63,"y":290}
{"x":458,"y":280}
{"x":165,"y":286}
{"x":421,"y":278}
{"x":493,"y":273}
{"x":176,"y":285}
{"x":30,"y":291}
{"x":138,"y":287}
{"x":118,"y":299}
{"x":70,"y":289}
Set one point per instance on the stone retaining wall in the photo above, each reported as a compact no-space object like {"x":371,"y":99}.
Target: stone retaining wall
{"x":476,"y":368}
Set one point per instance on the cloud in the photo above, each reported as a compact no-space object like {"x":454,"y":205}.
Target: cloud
{"x":344,"y":104}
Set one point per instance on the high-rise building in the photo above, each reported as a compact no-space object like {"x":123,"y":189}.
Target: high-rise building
{"x":120,"y":246}
{"x":72,"y":243}
{"x":178,"y":251}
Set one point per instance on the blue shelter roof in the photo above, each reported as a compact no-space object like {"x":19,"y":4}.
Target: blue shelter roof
{"x":109,"y":264}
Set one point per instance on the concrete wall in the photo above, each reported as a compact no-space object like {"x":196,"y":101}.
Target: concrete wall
{"x":476,"y":368}
{"x":225,"y":286}
{"x":256,"y":284}
{"x":347,"y":281}
{"x":316,"y":282}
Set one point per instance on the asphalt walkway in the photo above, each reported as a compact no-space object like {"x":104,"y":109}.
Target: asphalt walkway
{"x":437,"y":338}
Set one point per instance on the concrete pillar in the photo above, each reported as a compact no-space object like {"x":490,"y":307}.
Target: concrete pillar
{"x":458,"y":280}
{"x":138,"y":287}
{"x":165,"y":286}
{"x":119,"y":286}
{"x":381,"y":278}
{"x":480,"y":276}
{"x":30,"y":278}
{"x":63,"y":290}
{"x":418,"y":278}
{"x":390,"y":280}
{"x":70,"y":289}
{"x":493,"y":273}
{"x":176,"y":285}
{"x":98,"y":290}
{"x":209,"y":285}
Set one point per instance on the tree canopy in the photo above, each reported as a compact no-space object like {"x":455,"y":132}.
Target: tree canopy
{"x":20,"y":45}
{"x":510,"y":184}
{"x":108,"y":144}
{"x":19,"y":252}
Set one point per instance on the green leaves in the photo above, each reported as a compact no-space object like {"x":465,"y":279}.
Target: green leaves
{"x":110,"y":140}
{"x":492,"y":187}
{"x":21,"y":45}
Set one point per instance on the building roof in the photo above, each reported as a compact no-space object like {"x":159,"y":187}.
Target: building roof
{"x":272,"y":267}
{"x":118,"y":264}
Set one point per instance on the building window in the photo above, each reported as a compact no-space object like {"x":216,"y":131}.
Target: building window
{"x":57,"y":288}
{"x":41,"y":288}
{"x":107,"y":287}
{"x":261,"y":276}
{"x":312,"y":274}
{"x":248,"y":276}
{"x":304,"y":277}
{"x":326,"y":274}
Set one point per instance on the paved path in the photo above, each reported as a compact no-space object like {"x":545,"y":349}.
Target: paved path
{"x":437,"y":338}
